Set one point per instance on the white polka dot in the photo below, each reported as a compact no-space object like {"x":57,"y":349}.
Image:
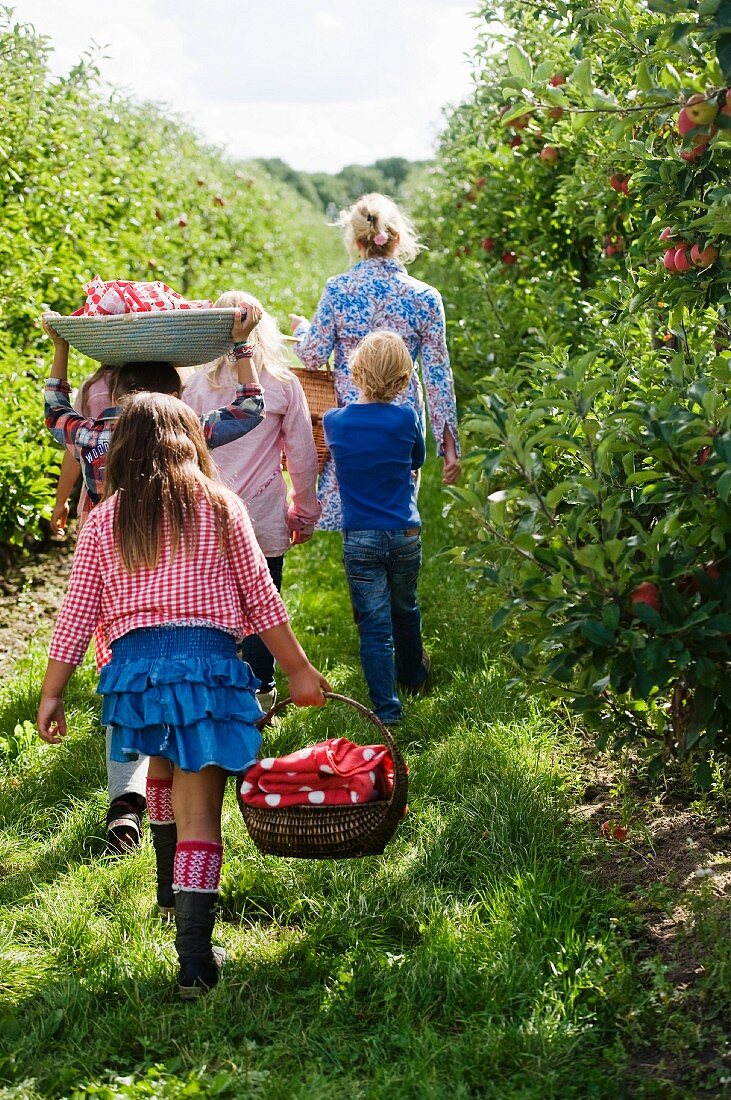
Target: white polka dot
{"x":368,"y":754}
{"x":305,"y":788}
{"x":325,"y":769}
{"x":304,"y":753}
{"x":372,"y":776}
{"x":268,"y":763}
{"x":353,"y":796}
{"x":273,"y":799}
{"x":316,"y":796}
{"x":291,"y":773}
{"x":246,"y":787}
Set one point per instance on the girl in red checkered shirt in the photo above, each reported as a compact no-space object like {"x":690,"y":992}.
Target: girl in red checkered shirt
{"x":169,"y":567}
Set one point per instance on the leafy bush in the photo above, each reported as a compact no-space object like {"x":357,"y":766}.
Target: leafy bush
{"x":597,"y":369}
{"x":90,"y":182}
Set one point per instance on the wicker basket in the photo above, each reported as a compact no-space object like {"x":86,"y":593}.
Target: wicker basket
{"x":319,"y":387}
{"x":331,"y":832}
{"x":183,"y":337}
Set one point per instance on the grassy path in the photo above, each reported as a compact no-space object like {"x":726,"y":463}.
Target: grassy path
{"x":475,"y":959}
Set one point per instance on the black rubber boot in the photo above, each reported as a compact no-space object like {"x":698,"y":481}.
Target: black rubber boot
{"x":164,"y":839}
{"x":200,"y":962}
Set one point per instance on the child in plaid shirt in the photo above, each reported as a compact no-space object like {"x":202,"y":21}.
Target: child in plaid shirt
{"x":87,"y":440}
{"x":168,"y":566}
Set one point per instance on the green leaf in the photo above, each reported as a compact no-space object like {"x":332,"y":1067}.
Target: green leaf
{"x":723,"y":53}
{"x":703,"y":775}
{"x":520,"y":64}
{"x":597,"y":633}
{"x":723,"y":488}
{"x":581,"y":77}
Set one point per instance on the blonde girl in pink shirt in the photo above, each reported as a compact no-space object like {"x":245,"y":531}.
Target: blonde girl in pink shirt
{"x":252,"y":465}
{"x":168,"y":566}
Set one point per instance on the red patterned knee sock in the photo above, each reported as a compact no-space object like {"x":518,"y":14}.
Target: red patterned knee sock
{"x":160,"y":801}
{"x":198,"y":866}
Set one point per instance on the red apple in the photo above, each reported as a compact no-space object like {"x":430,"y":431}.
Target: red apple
{"x":550,"y":154}
{"x":470,"y":196}
{"x":509,"y":257}
{"x":669,"y":259}
{"x":704,"y":257}
{"x":620,"y":833}
{"x":667,"y":234}
{"x":182,"y":221}
{"x":521,"y":121}
{"x":557,"y":79}
{"x":516,"y":141}
{"x":605,"y":828}
{"x":480,"y":182}
{"x":682,"y":259}
{"x":556,"y":112}
{"x":685,"y":123}
{"x":618,"y":182}
{"x":712,"y":571}
{"x":694,"y":154}
{"x":648,"y":593}
{"x":488,"y":244}
{"x":701,"y":110}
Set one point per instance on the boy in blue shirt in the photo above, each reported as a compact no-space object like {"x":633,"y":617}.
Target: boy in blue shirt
{"x":377,"y":446}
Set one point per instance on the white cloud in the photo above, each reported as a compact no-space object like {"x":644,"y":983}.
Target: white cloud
{"x":319,"y":85}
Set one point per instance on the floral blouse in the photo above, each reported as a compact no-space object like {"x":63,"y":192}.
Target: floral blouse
{"x":374,"y":294}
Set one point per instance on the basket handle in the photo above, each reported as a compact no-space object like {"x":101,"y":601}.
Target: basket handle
{"x":264,"y":721}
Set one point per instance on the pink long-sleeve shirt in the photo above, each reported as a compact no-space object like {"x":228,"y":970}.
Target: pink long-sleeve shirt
{"x":252,"y":465}
{"x":233,"y":592}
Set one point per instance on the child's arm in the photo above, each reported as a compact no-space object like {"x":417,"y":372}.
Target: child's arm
{"x":306,"y":684}
{"x":75,"y":625}
{"x":62,"y":421}
{"x":418,"y":454}
{"x":51,"y":718}
{"x":299,"y":445}
{"x":67,"y":478}
{"x":247,"y":409}
{"x":60,"y":366}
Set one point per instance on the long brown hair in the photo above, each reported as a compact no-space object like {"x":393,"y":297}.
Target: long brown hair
{"x":159,"y":465}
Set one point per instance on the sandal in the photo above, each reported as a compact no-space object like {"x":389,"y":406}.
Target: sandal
{"x":124,"y":826}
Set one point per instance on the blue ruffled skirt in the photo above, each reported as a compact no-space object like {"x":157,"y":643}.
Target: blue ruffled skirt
{"x":181,"y":692}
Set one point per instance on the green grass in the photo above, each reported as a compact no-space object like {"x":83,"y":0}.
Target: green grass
{"x":475,"y":958}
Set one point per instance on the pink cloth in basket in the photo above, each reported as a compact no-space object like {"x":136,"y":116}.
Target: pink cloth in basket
{"x":333,"y":773}
{"x":110,"y":299}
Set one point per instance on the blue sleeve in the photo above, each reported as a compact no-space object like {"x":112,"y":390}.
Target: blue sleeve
{"x":418,"y":454}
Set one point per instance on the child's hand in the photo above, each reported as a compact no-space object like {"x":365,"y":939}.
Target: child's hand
{"x":51,"y":719}
{"x":245,"y":321}
{"x":46,"y":323}
{"x":306,"y":687}
{"x":59,"y":519}
{"x":296,"y":320}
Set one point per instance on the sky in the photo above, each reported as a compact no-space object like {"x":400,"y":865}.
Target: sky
{"x":320,"y":84}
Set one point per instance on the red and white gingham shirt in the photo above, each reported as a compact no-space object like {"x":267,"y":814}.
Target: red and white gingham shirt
{"x":232,"y":592}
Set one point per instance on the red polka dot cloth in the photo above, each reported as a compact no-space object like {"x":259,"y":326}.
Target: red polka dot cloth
{"x":333,"y":773}
{"x":110,"y":299}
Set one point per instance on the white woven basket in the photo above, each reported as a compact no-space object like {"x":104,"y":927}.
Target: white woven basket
{"x":183,"y":337}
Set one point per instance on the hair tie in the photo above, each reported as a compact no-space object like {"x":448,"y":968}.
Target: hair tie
{"x":381,"y":238}
{"x":371,"y":219}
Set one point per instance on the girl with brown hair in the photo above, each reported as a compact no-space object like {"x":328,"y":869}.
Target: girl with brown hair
{"x":169,"y":567}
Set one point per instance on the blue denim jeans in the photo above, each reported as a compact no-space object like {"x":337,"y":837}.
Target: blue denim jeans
{"x":252,"y":648}
{"x":382,"y":569}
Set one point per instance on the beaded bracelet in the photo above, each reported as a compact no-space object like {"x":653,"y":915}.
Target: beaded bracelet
{"x":243,"y":351}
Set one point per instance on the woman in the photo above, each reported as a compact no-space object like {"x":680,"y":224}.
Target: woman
{"x":378,"y":293}
{"x":253,"y":467}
